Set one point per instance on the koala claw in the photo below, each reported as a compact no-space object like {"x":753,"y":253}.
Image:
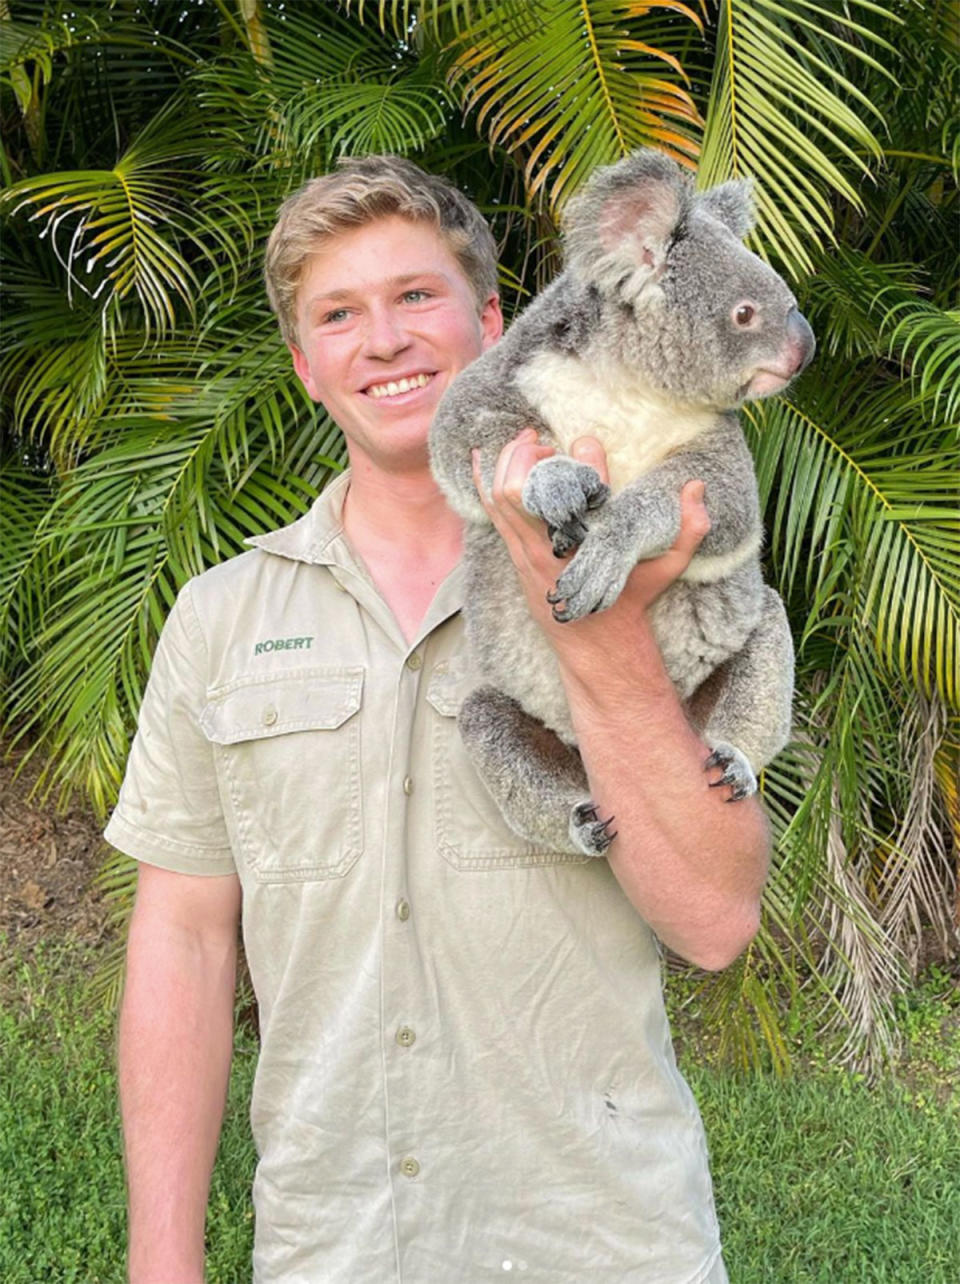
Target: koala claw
{"x":561,"y":614}
{"x":737,"y":771}
{"x":560,"y":491}
{"x":591,"y":834}
{"x":565,"y":538}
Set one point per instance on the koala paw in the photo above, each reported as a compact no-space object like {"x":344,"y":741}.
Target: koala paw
{"x":737,"y":771}
{"x":561,"y":492}
{"x":592,"y":581}
{"x":589,"y":833}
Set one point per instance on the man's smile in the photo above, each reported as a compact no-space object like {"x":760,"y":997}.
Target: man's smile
{"x":397,"y":387}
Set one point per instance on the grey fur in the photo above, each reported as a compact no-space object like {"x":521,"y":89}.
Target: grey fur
{"x":644,"y":342}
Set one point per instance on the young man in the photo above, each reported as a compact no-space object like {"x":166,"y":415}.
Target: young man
{"x":465,"y":1066}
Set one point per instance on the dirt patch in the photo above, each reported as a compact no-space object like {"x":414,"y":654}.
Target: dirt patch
{"x":48,"y":865}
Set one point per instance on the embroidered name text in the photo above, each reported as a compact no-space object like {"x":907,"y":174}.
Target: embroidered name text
{"x":283,"y":644}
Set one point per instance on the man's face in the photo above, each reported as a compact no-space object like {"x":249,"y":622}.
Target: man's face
{"x":385,"y":320}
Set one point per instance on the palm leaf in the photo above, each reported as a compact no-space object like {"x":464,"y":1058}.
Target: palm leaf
{"x":24,"y":498}
{"x":35,"y":45}
{"x":863,"y":306}
{"x":784,"y":110}
{"x":578,"y":85}
{"x":858,"y":473}
{"x":117,"y":232}
{"x":392,"y":114}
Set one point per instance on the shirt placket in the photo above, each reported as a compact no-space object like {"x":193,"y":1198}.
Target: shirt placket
{"x":407,"y":1025}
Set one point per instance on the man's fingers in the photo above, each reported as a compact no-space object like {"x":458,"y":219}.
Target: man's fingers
{"x":587,"y":450}
{"x":504,"y":500}
{"x":694,"y":519}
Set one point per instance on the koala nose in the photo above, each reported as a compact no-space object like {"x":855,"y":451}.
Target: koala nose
{"x":802,"y":343}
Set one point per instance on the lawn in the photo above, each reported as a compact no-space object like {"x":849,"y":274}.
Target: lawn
{"x":820,"y":1179}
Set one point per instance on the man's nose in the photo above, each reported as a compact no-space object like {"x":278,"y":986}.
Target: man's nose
{"x":386,"y":335}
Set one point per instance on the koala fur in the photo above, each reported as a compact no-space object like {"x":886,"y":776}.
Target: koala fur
{"x":660,"y":325}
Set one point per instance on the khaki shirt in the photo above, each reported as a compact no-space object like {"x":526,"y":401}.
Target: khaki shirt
{"x":466,"y":1069}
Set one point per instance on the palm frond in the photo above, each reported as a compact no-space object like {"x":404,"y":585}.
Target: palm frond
{"x":393,"y":114}
{"x":119,"y":542}
{"x":827,"y":797}
{"x":117,"y":232}
{"x":407,"y":18}
{"x":578,"y":85}
{"x":25,"y":495}
{"x":784,"y":110}
{"x":24,"y":44}
{"x":860,"y":474}
{"x":866,"y":307}
{"x":917,"y":870}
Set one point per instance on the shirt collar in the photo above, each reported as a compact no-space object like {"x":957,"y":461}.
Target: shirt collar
{"x":317,"y":538}
{"x":314,"y":536}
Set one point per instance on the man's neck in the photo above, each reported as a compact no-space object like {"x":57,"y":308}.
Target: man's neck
{"x":404,"y":514}
{"x":409,"y":539}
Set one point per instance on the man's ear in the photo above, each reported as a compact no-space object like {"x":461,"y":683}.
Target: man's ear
{"x":491,"y":322}
{"x":302,"y":367}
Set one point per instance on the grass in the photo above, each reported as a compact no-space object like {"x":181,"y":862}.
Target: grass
{"x":820,"y":1179}
{"x":62,"y":1187}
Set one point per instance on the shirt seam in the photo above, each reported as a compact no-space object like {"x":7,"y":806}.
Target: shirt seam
{"x":173,"y":845}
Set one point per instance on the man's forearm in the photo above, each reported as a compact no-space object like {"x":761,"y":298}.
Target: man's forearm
{"x":176,"y":1037}
{"x":691,"y":864}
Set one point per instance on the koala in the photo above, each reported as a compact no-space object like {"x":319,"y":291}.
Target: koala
{"x":661,"y":324}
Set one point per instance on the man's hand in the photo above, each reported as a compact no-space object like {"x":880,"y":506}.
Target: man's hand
{"x":537,"y":566}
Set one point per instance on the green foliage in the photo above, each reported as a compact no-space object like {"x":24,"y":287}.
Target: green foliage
{"x":785,"y":106}
{"x":152,"y":422}
{"x":827,"y":1179}
{"x":64,"y":1202}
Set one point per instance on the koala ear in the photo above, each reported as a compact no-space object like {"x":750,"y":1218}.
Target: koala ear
{"x":731,"y":204}
{"x":625,"y":218}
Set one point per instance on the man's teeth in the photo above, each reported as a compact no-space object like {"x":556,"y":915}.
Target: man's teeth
{"x":401,"y":385}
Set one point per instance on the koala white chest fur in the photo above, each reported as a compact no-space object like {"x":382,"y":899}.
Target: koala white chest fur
{"x":636,"y":428}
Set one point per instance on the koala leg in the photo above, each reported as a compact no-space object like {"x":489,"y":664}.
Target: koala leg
{"x":536,"y":780}
{"x":641,"y":522}
{"x":743,"y":709}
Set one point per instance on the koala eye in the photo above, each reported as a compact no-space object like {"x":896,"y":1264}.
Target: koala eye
{"x":744,"y":314}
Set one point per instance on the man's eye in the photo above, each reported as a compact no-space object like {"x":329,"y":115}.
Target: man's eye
{"x":338,"y":314}
{"x":416,"y":296}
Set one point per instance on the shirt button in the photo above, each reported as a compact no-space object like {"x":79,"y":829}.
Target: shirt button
{"x":409,"y":1167}
{"x":403,"y":909}
{"x":414,"y":661}
{"x":269,"y":716}
{"x":408,"y":785}
{"x":406,"y":1037}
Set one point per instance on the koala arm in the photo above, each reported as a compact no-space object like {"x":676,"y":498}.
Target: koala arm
{"x":643,"y":520}
{"x":482,"y":410}
{"x":692,"y":866}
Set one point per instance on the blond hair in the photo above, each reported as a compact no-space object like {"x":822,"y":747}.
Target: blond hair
{"x":359,"y":191}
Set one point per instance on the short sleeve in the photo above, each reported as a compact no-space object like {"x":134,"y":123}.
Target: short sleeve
{"x":169,"y":811}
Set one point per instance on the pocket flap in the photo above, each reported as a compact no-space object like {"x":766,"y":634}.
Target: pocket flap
{"x":450,"y":684}
{"x":296,"y":700}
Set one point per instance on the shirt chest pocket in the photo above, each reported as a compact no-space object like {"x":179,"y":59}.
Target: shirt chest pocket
{"x":288,"y":753}
{"x":471,"y":833}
